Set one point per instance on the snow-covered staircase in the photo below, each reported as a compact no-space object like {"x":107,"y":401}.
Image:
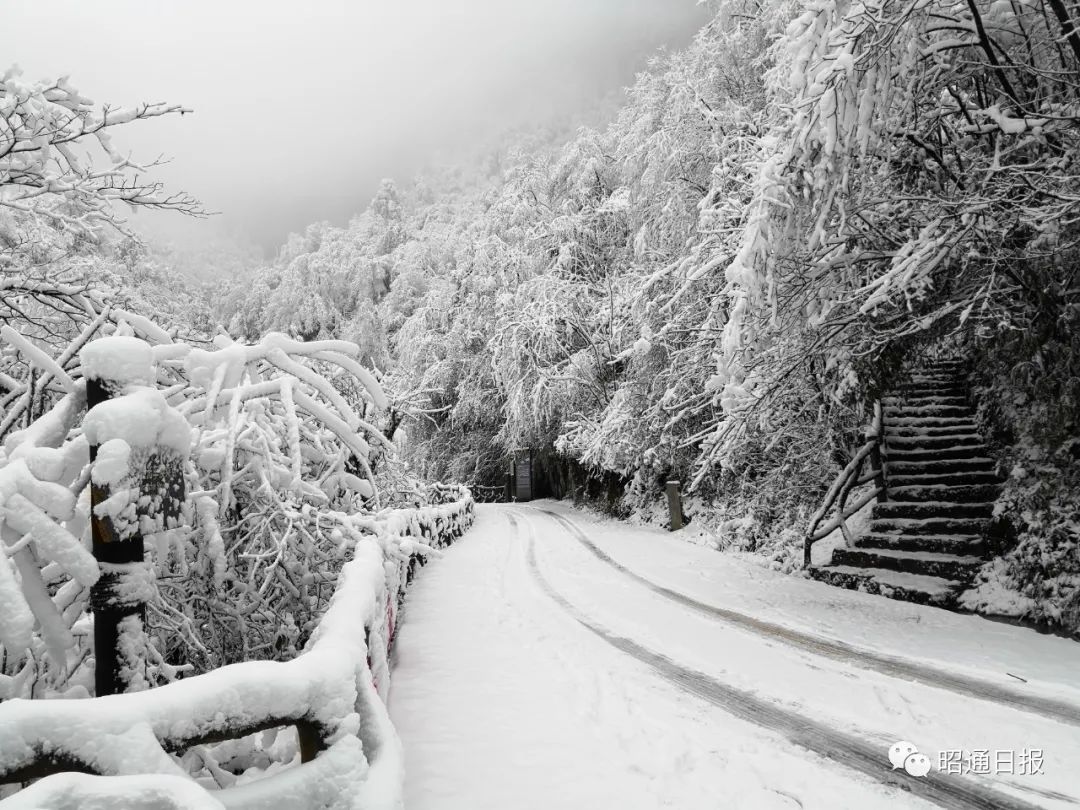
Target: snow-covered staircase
{"x":927,"y":539}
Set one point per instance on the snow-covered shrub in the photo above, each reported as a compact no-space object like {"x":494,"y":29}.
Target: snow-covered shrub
{"x":1029,"y":404}
{"x":280,"y":454}
{"x":1038,"y":578}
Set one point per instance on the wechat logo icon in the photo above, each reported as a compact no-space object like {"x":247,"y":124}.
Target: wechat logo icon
{"x":904,"y":754}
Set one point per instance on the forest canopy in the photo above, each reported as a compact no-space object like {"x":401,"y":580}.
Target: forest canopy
{"x":715,"y":286}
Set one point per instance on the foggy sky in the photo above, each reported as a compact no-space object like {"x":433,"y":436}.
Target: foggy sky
{"x":301,"y":107}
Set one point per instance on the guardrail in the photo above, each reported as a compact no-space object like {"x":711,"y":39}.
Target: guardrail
{"x":333,"y":694}
{"x":852,"y":476}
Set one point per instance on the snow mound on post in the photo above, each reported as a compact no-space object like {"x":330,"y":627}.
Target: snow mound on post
{"x":141,"y":418}
{"x":120,"y":359}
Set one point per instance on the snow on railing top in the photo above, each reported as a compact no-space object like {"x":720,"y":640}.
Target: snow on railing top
{"x":330,"y":692}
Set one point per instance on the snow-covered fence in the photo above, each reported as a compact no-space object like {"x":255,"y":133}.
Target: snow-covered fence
{"x":445,"y":493}
{"x":286,"y":541}
{"x":332,"y":693}
{"x":865,"y":466}
{"x":490,"y":494}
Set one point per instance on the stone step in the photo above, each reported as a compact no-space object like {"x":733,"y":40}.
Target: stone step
{"x":919,"y":442}
{"x":894,"y":584}
{"x":953,"y":396}
{"x":962,"y":544}
{"x":925,"y":399}
{"x":934,"y":366}
{"x":936,"y":381}
{"x":957,"y":479}
{"x":931,"y":380}
{"x":908,"y":410}
{"x":958,"y":493}
{"x":915,"y":510}
{"x":928,"y":431}
{"x":928,"y":539}
{"x":947,"y":391}
{"x":945,"y":452}
{"x":931,"y":421}
{"x":949,"y":465}
{"x":957,"y":375}
{"x":948,"y":366}
{"x":926,"y":563}
{"x":930,"y":525}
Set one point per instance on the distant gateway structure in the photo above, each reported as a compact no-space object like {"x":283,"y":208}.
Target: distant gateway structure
{"x":521,"y":474}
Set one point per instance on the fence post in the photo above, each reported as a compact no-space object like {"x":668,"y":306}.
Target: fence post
{"x":674,"y":500}
{"x":155,"y":483}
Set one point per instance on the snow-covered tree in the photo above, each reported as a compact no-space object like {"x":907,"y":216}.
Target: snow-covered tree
{"x":717,"y":284}
{"x":276,"y":443}
{"x":922,"y":174}
{"x":64,"y":185}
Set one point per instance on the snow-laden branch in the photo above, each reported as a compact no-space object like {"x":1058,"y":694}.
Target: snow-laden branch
{"x":48,"y":171}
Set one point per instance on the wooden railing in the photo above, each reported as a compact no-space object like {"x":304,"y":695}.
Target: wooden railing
{"x":332,"y":694}
{"x":868,"y":464}
{"x":489,"y":494}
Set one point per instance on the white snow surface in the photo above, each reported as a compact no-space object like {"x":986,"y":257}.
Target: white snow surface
{"x":502,"y":699}
{"x":77,"y":791}
{"x":969,"y":645}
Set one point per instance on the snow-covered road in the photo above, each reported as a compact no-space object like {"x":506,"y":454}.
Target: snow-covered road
{"x":554,"y":660}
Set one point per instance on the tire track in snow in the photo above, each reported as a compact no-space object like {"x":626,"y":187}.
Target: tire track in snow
{"x":846,"y":749}
{"x":1058,"y":710}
